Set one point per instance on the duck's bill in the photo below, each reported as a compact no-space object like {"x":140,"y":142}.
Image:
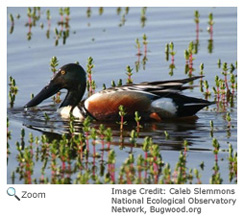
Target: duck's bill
{"x":45,"y":93}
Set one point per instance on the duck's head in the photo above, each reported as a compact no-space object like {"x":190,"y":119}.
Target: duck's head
{"x":71,"y":77}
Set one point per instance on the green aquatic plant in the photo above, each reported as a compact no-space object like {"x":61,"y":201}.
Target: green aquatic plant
{"x":201,"y":69}
{"x":139,"y":168}
{"x":166,"y":50}
{"x":118,"y":10}
{"x":122,"y":21}
{"x":29,"y":15}
{"x":93,"y":136}
{"x":54,"y":63}
{"x":122,"y":113}
{"x":219,"y":63}
{"x":232,"y":68}
{"x":185,"y":144}
{"x":155,"y":162}
{"x":86,"y":129}
{"x":13,"y":90}
{"x":8,"y":138}
{"x":137,"y":119}
{"x":58,"y":35}
{"x":211,"y":128}
{"x":172,"y":54}
{"x":201,"y":73}
{"x":104,"y":86}
{"x":207,"y":91}
{"x":129,"y":74}
{"x":47,"y":118}
{"x":108,"y":137}
{"x":210,"y":30}
{"x":90,"y":83}
{"x":143,"y":16}
{"x":145,"y":147}
{"x":127,"y":9}
{"x":111,"y":165}
{"x":63,"y":23}
{"x":166,"y":135}
{"x":33,"y":15}
{"x":186,"y":56}
{"x":100,"y":11}
{"x":216,"y":146}
{"x":228,"y":119}
{"x":145,"y":42}
{"x":232,"y":164}
{"x":144,"y":61}
{"x":88,"y":12}
{"x":61,"y":13}
{"x":191,"y":51}
{"x":11,"y":17}
{"x":113,"y":84}
{"x":198,"y":176}
{"x":225,"y":73}
{"x":233,"y":83}
{"x":217,"y":89}
{"x":210,"y":46}
{"x":133,"y":138}
{"x":197,"y":21}
{"x":138,"y":46}
{"x":48,"y":16}
{"x":139,"y":53}
{"x":225,"y":88}
{"x":101,"y":134}
{"x":67,"y":17}
{"x":210,"y":23}
{"x":120,"y":83}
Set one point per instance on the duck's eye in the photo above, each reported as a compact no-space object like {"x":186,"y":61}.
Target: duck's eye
{"x":63,"y":72}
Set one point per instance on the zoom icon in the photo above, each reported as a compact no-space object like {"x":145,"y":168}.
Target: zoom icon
{"x":12,"y":192}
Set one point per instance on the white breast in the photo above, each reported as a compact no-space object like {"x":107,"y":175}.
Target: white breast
{"x":65,"y":112}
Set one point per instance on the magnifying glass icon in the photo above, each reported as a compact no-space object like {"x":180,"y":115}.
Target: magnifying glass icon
{"x":12,"y":192}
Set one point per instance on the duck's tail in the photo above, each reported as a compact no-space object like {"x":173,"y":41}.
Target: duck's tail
{"x":176,"y":105}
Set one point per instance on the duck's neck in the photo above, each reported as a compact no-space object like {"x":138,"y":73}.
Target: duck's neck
{"x":73,"y":97}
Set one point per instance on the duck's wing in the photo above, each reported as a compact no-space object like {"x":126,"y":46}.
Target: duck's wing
{"x":157,"y":87}
{"x":173,"y":82}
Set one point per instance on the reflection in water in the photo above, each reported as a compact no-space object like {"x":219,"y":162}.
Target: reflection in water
{"x":210,"y":46}
{"x":11,"y":17}
{"x":64,"y":26}
{"x":83,"y":153}
{"x":169,"y":135}
{"x":48,"y":23}
{"x":210,"y":30}
{"x":143,"y":17}
{"x":33,"y":15}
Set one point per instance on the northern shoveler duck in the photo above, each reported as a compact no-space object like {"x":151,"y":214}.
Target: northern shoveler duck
{"x":153,"y":100}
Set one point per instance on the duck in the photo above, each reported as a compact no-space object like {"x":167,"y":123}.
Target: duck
{"x":156,"y":101}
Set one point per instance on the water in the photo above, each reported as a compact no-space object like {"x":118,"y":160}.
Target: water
{"x":111,"y":43}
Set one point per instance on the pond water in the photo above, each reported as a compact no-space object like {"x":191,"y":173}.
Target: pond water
{"x":110,"y":39}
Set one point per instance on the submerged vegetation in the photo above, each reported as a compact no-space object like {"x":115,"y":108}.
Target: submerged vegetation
{"x":87,"y":155}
